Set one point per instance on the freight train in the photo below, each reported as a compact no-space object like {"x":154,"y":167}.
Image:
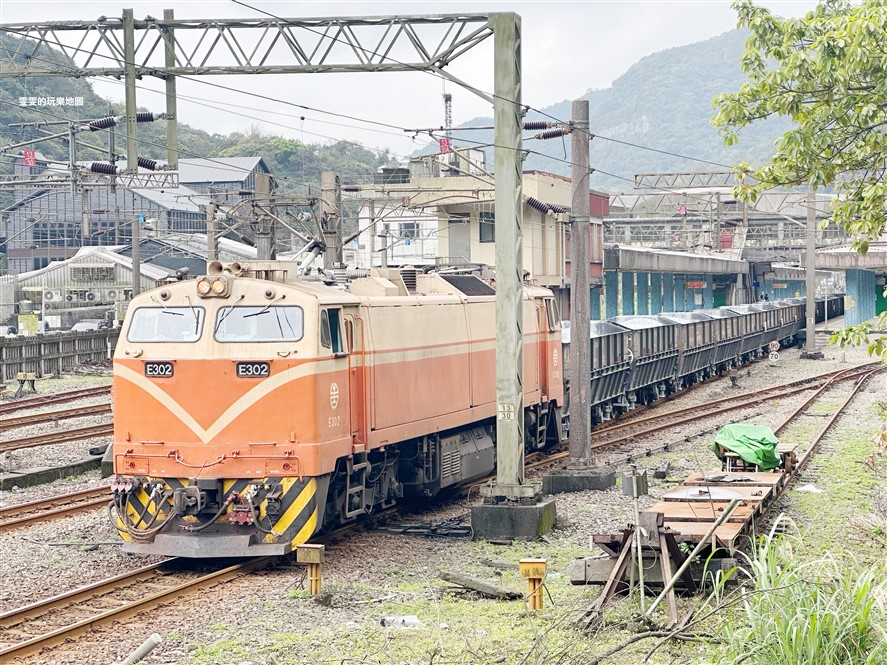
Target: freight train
{"x":638,"y":359}
{"x":254,"y":408}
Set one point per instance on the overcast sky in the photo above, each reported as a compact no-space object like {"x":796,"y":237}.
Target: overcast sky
{"x":569,"y":47}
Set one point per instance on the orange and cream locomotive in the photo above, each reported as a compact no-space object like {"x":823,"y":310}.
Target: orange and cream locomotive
{"x":254,"y":408}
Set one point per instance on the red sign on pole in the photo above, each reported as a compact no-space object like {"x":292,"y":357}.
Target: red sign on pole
{"x":444,"y":146}
{"x":30,"y":157}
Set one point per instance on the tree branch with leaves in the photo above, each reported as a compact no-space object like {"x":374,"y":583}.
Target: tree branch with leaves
{"x":827,"y":73}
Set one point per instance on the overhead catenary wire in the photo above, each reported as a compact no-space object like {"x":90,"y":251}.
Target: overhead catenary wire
{"x":394,"y":60}
{"x":551,"y":133}
{"x":357,"y":119}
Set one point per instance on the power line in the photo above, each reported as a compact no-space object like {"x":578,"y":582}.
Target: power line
{"x":663,"y":152}
{"x":388,"y":57}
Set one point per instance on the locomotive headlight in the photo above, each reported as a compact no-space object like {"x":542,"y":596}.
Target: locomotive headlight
{"x":203,"y":287}
{"x":219,"y":286}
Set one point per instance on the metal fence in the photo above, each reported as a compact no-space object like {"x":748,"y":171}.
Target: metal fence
{"x":45,"y":355}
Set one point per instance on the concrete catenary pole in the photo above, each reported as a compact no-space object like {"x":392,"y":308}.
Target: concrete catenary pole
{"x":580,"y":220}
{"x":211,"y":210}
{"x":172,"y":131}
{"x":136,"y":258}
{"x":132,"y":147}
{"x":509,"y":255}
{"x":810,"y":265}
{"x":331,"y":218}
{"x":265,"y":227}
{"x":129,"y":70}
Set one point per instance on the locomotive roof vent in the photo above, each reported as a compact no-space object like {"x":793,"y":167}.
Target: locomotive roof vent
{"x":470,"y":285}
{"x":408,"y":275}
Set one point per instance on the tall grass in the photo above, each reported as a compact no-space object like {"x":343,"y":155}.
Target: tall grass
{"x":826,"y":611}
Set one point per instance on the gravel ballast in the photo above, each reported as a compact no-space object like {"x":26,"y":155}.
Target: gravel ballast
{"x":268,"y":618}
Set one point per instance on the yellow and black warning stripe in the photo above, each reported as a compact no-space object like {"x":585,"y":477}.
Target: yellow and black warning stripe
{"x":295,"y":521}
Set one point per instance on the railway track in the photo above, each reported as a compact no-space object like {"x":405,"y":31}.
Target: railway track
{"x":64,"y":436}
{"x":858,"y":384}
{"x":28,"y":630}
{"x":54,"y":507}
{"x":56,"y":398}
{"x":55,"y":416}
{"x":660,"y":421}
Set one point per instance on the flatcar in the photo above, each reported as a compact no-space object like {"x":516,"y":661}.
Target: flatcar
{"x":253,"y":409}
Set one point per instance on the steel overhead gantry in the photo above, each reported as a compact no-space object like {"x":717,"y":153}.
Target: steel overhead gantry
{"x":167,"y":48}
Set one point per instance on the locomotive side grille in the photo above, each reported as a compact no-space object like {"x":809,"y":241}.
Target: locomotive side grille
{"x":450,"y":464}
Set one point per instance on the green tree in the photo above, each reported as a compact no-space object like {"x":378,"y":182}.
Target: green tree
{"x":827,"y":73}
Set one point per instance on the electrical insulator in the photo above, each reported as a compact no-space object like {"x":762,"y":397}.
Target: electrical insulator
{"x":556,"y":209}
{"x":537,"y":124}
{"x":553,"y":133}
{"x":536,"y":204}
{"x":145,"y":116}
{"x":147,"y":163}
{"x":102,"y":123}
{"x":102,"y":167}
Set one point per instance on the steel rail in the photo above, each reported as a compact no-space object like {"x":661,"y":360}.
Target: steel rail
{"x":860,"y":382}
{"x":57,"y":506}
{"x":814,"y":380}
{"x":64,"y":436}
{"x":38,"y":418}
{"x":55,"y":398}
{"x":70,"y":600}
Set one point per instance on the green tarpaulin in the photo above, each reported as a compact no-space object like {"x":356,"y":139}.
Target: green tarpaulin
{"x":755,"y":444}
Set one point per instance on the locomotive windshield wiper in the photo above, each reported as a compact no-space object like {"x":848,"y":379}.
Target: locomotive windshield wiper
{"x":265,"y":308}
{"x":166,"y":310}
{"x":194,"y":312}
{"x":227,"y":314}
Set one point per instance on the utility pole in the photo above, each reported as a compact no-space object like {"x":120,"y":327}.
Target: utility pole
{"x":580,"y":221}
{"x":580,"y":474}
{"x":264,"y":228}
{"x":331,"y":218}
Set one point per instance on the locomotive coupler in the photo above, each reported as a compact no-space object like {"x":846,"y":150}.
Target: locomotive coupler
{"x":188,"y":500}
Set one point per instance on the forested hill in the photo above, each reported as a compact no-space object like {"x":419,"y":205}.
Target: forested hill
{"x":662,"y":102}
{"x":294,"y":162}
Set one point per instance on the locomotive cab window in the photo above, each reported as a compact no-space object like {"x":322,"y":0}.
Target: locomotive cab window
{"x":166,"y":324}
{"x":278,"y":323}
{"x":331,"y":330}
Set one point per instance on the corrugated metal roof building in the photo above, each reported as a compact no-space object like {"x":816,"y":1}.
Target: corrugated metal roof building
{"x":47,"y":225}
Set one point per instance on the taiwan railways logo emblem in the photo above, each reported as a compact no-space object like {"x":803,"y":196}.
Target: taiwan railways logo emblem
{"x":334,"y":395}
